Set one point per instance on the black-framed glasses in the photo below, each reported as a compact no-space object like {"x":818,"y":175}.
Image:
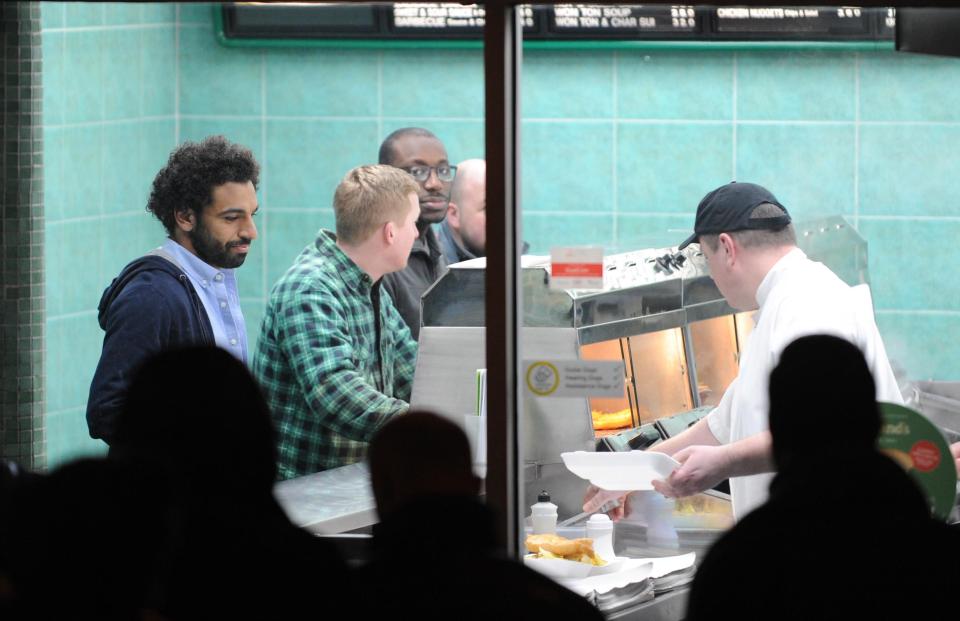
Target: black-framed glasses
{"x":445,"y":172}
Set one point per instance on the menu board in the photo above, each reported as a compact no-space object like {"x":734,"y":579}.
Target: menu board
{"x":621,"y":20}
{"x":453,"y":20}
{"x":794,"y":21}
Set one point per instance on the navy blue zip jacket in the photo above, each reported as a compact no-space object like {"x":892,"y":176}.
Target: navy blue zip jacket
{"x":151,"y":306}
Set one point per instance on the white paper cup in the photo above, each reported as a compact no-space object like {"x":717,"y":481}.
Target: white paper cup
{"x":476,"y":429}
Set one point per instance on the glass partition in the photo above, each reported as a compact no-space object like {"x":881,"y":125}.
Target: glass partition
{"x":629,"y":116}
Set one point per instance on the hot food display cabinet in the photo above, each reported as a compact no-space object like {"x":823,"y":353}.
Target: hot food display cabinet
{"x":658,"y":312}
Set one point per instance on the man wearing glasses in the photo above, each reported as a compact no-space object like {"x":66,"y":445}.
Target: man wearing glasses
{"x":419,"y":152}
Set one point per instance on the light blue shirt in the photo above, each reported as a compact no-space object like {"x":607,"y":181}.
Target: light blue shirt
{"x":217,"y":289}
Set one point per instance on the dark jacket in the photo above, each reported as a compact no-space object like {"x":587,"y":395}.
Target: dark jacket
{"x":425,"y":265}
{"x":151,"y":306}
{"x":453,"y":252}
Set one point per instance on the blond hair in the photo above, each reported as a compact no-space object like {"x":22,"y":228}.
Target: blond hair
{"x":370,"y":196}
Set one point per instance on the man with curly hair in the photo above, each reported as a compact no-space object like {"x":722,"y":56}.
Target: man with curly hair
{"x":184,"y":292}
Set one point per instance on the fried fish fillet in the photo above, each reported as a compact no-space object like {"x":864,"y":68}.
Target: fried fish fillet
{"x":560,"y":546}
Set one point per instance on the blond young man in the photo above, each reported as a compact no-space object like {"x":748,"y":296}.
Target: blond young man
{"x":335,"y":358}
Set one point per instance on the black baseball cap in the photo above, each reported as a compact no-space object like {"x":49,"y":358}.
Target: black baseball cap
{"x":728,"y":209}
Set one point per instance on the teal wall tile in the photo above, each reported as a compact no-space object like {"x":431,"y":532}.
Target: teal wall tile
{"x":655,"y":169}
{"x":122,"y":182}
{"x":914,"y":343}
{"x":308,"y":159}
{"x":56,"y":346}
{"x":81,"y":14}
{"x":54,"y":268}
{"x":54,"y":192}
{"x":249,"y":133}
{"x":463,"y":140}
{"x":86,"y":343}
{"x":216,"y":79}
{"x":909,"y":169}
{"x":159,"y":71}
{"x":322,"y":82}
{"x":157,"y":140}
{"x":52,"y":14}
{"x":253,"y":310}
{"x":79,"y":265}
{"x":652,"y":230}
{"x":122,"y":13}
{"x":68,"y":438}
{"x":52,"y":78}
{"x":648,"y":86}
{"x":909,"y":87}
{"x":562,"y":84}
{"x":433,"y":83}
{"x":288,"y":233}
{"x":903,"y":256}
{"x":809,"y":168}
{"x":126,"y":237}
{"x":82,"y":149}
{"x":796,"y":85}
{"x":122,"y":77}
{"x":250,"y":274}
{"x":567,"y":166}
{"x":197,"y":12}
{"x":546,"y":230}
{"x":83,"y":77}
{"x":159,"y":12}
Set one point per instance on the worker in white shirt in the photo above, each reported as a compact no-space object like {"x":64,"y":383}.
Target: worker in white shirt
{"x":749,"y":242}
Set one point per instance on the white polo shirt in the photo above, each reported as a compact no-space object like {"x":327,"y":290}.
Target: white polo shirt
{"x":797,"y":297}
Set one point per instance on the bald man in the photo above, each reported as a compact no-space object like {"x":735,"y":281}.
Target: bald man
{"x":463,"y":234}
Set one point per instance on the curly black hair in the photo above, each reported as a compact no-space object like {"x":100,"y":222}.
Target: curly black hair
{"x":193,"y":171}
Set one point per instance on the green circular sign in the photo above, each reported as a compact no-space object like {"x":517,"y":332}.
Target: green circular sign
{"x":918,"y":445}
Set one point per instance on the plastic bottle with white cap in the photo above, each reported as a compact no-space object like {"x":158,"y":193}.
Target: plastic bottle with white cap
{"x":600,"y":529}
{"x":543,"y":515}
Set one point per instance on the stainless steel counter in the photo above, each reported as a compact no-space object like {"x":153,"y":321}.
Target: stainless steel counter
{"x":329,"y":502}
{"x":341,"y":500}
{"x":670,"y":606}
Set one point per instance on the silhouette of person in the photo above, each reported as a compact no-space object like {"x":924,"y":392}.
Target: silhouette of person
{"x":434,"y":551}
{"x":199,"y":416}
{"x":845,"y":530}
{"x":83,"y":542}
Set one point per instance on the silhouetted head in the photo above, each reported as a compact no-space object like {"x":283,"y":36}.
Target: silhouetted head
{"x":822,"y":400}
{"x":84,"y":542}
{"x":200,"y":413}
{"x":419,"y":454}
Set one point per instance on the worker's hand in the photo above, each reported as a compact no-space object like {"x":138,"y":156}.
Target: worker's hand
{"x":596,"y":498}
{"x":955,"y":450}
{"x":701,"y":467}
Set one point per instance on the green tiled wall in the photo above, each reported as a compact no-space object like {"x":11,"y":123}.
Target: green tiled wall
{"x":617,"y":149}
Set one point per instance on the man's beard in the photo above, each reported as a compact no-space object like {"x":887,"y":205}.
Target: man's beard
{"x":212,"y":252}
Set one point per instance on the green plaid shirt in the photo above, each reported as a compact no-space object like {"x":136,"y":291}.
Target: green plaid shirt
{"x":331,"y":372}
